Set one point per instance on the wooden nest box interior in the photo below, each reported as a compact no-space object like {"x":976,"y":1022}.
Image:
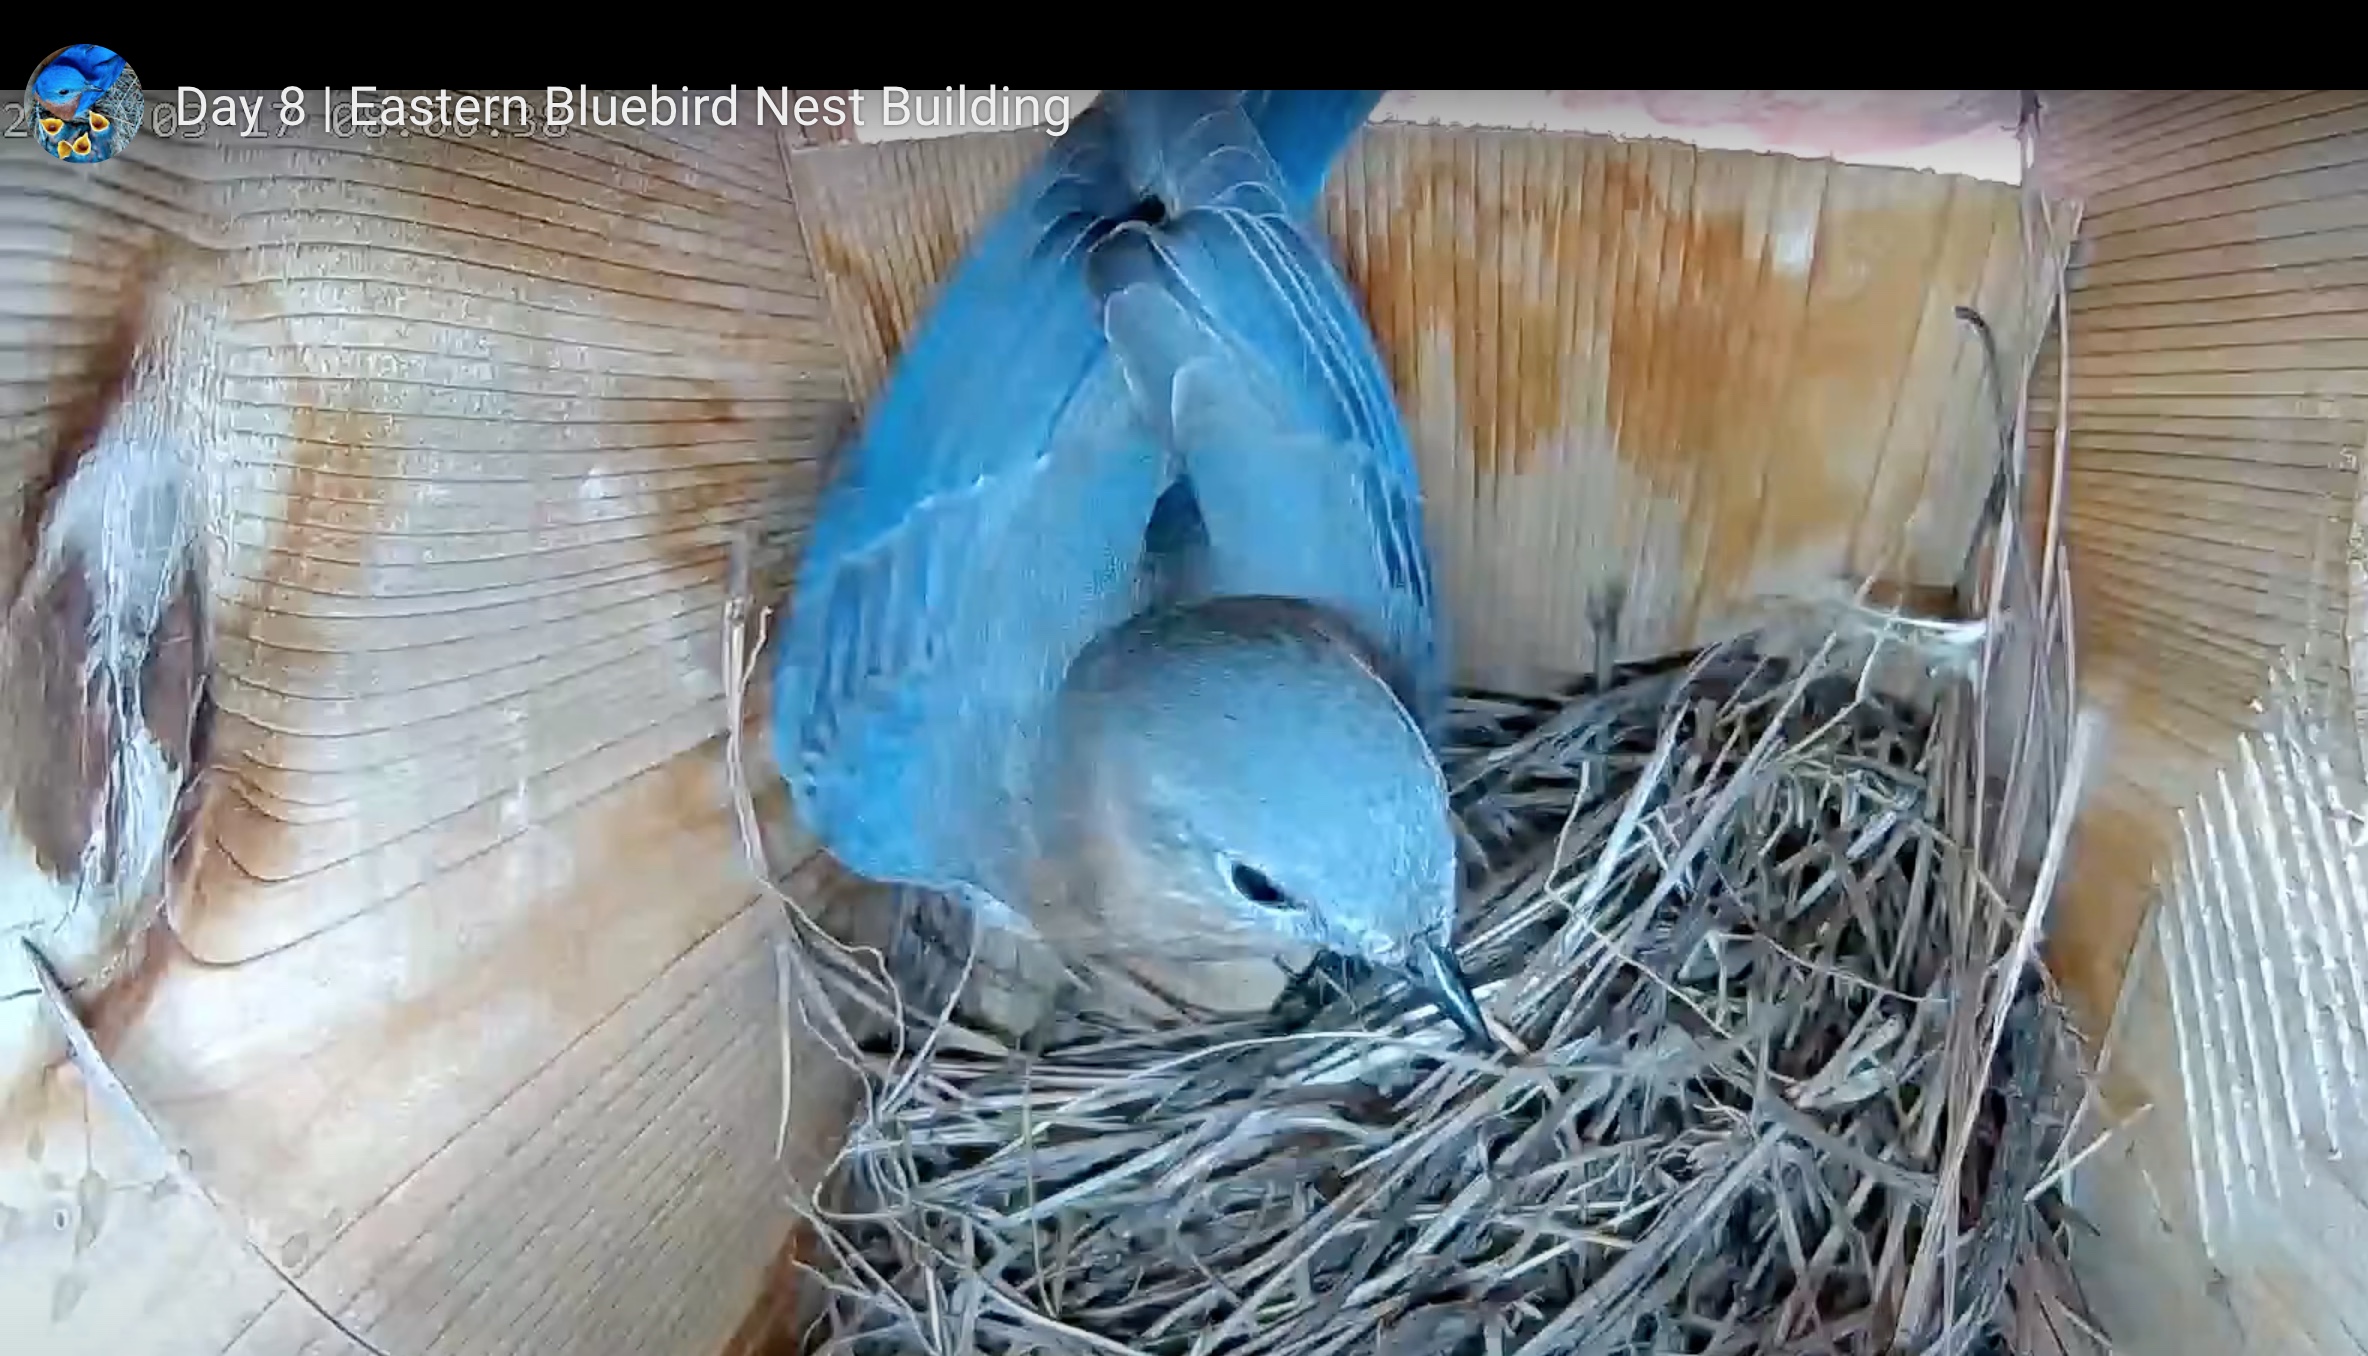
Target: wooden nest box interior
{"x":461,"y":1030}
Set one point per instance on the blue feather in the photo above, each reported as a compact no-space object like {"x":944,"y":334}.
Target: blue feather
{"x":75,"y":79}
{"x":1305,"y":131}
{"x":1018,"y":487}
{"x":1245,"y":349}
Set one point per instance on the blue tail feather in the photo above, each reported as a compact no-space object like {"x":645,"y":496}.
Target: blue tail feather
{"x":1305,"y":130}
{"x":1245,"y":349}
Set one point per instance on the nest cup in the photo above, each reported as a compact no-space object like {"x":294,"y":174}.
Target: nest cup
{"x":1793,"y":1073}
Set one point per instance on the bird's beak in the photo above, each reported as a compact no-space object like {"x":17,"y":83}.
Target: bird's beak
{"x":1436,"y":971}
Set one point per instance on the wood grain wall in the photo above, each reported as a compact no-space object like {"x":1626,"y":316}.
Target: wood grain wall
{"x":473,"y":1021}
{"x":2219,"y":406}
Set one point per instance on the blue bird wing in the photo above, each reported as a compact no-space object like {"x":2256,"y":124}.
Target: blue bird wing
{"x":76,"y":77}
{"x":94,"y":60}
{"x":987,"y":522}
{"x":1244,"y":349}
{"x":1305,"y":130}
{"x":1003,"y":503}
{"x":1180,"y":145}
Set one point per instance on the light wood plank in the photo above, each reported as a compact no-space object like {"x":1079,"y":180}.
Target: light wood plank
{"x":472,"y":1015}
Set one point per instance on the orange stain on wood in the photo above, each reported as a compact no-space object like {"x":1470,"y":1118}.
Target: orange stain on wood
{"x":247,"y":841}
{"x":1420,"y":273}
{"x":688,"y":536}
{"x":863,"y":289}
{"x":2102,"y":903}
{"x":881,"y":263}
{"x":1734,"y":329}
{"x":2127,"y":832}
{"x":774,"y":1322}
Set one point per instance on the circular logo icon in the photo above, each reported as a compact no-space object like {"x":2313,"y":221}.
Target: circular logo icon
{"x":84,"y":103}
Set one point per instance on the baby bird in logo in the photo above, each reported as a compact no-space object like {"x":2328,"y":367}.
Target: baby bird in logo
{"x":86,"y":103}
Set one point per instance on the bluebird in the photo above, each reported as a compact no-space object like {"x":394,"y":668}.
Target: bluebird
{"x":87,"y":103}
{"x":1122,"y":591}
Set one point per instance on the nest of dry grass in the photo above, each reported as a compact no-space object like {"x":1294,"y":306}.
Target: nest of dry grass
{"x":1795,"y":1083}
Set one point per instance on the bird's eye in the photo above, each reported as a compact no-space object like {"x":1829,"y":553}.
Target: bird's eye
{"x":1252,"y":884}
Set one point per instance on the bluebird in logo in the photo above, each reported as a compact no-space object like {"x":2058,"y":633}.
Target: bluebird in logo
{"x":85,"y":102}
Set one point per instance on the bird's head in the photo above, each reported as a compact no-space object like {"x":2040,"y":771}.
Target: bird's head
{"x":73,"y":79}
{"x":1233,"y":767}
